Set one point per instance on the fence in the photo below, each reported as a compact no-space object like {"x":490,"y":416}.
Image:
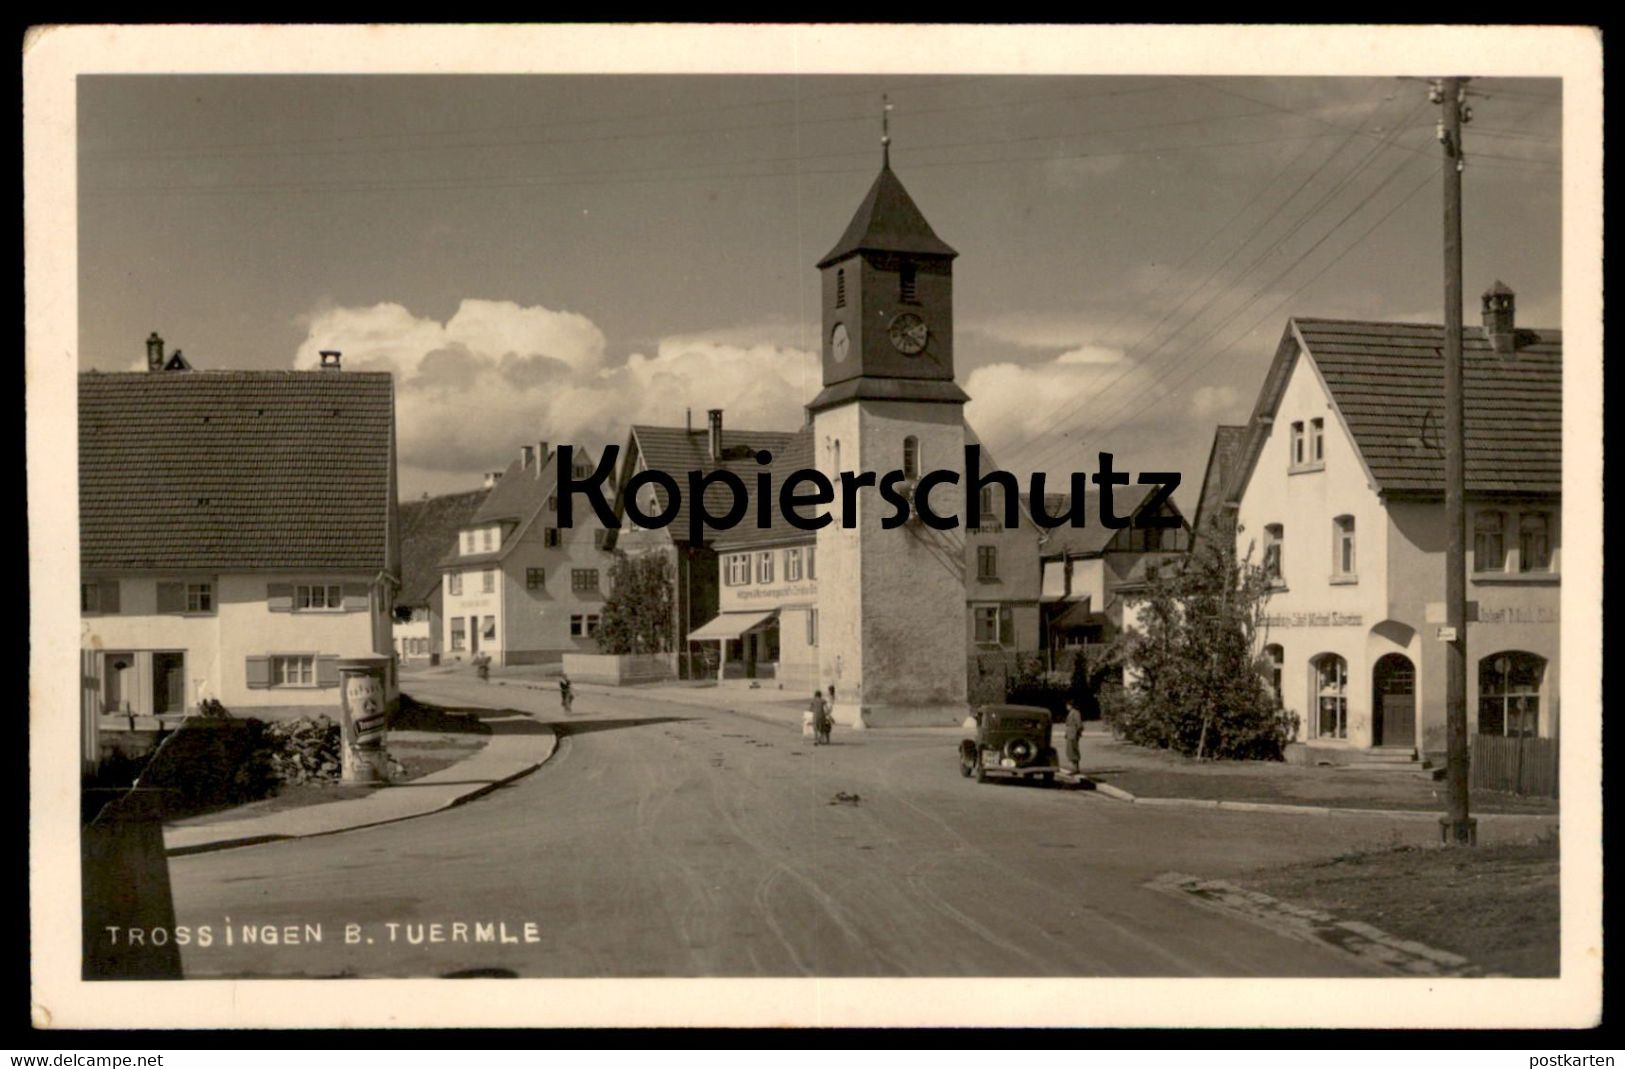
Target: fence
{"x":1516,"y":765}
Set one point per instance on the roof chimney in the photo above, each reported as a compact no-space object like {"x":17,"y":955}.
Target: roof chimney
{"x":1500,"y":321}
{"x":526,"y":454}
{"x":491,"y":478}
{"x":688,"y":420}
{"x":541,"y":458}
{"x":155,"y":352}
{"x":330,"y":359}
{"x":715,"y":417}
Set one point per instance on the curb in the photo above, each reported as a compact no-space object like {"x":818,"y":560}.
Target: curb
{"x":467,"y":796}
{"x":1299,"y":810}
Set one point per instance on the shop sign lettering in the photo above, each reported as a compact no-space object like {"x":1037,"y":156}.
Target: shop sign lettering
{"x":1314,"y":619}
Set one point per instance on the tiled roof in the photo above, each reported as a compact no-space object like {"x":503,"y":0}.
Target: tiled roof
{"x":796,"y":453}
{"x":1222,"y":459}
{"x":1388,"y":381}
{"x":235,"y":469}
{"x":888,"y":221}
{"x":428,"y":529}
{"x":677,"y":451}
{"x":1094,"y":536}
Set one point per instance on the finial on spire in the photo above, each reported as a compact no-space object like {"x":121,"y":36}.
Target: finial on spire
{"x":885,"y":129}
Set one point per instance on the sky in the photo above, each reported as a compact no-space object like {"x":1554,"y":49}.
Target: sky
{"x":557,"y":257}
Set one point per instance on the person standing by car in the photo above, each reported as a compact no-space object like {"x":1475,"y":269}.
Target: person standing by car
{"x":1074,"y":728}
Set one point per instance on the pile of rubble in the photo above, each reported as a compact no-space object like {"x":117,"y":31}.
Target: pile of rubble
{"x":305,"y":750}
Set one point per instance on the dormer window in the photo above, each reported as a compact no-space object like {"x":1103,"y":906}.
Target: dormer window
{"x":840,"y":287}
{"x":905,"y":285}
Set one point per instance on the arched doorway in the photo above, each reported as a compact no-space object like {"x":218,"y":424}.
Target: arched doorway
{"x":1393,"y":696}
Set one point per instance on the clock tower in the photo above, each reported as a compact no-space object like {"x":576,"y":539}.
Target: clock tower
{"x":892,"y":608}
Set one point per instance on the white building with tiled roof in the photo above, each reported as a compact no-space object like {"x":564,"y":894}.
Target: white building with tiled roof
{"x":1339,"y":493}
{"x":515,"y":585}
{"x":238,"y":535}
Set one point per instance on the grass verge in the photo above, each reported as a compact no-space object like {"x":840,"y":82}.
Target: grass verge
{"x":1497,"y":905}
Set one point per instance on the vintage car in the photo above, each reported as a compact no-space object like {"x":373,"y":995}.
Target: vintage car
{"x":1008,"y":740}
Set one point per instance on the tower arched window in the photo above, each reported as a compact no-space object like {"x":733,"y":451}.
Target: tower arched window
{"x":906,"y":279}
{"x":911,"y":458}
{"x":840,"y":287}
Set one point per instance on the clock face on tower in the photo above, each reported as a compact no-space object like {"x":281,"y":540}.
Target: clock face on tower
{"x":839,"y":342}
{"x":908,"y":334}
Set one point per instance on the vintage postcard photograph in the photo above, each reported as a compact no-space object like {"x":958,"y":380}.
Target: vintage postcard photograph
{"x":814,"y":526}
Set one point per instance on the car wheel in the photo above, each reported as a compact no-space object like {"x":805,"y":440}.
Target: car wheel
{"x":967,"y":762}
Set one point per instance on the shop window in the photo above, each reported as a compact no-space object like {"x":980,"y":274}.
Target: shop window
{"x":1509,"y":693}
{"x":1343,"y":547}
{"x":1489,"y":541}
{"x":1331,"y":694}
{"x":1275,"y":657}
{"x":488,"y":629}
{"x":1534,"y":542}
{"x":459,"y":638}
{"x":1274,"y":540}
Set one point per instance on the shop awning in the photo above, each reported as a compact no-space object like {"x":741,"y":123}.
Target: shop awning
{"x":730,"y":625}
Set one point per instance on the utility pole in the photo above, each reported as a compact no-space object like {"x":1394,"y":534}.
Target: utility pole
{"x":1457,"y":826}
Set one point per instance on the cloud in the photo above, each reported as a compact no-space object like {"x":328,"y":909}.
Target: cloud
{"x":496,"y":375}
{"x":1024,"y":411}
{"x":1213,"y":401}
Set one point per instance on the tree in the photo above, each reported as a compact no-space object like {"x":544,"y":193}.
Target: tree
{"x":637,"y":616}
{"x":1200,"y":687}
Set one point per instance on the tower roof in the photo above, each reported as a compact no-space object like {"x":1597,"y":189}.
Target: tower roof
{"x":888,"y":221}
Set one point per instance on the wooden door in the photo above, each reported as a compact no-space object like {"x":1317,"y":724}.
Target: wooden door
{"x":1394,"y":688}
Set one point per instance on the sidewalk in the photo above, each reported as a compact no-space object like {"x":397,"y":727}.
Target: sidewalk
{"x":518,"y":744}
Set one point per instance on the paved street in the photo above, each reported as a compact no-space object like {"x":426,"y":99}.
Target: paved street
{"x":664,"y":840}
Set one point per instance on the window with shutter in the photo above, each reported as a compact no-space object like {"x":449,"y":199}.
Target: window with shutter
{"x":259,"y":671}
{"x":356,"y":597}
{"x":109,"y":596}
{"x":279,"y":597}
{"x":327,"y":671}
